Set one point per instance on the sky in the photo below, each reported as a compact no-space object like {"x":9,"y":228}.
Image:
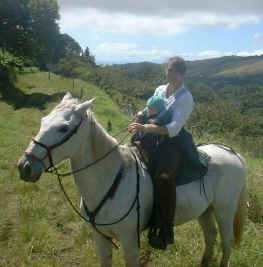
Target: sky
{"x":118,"y":31}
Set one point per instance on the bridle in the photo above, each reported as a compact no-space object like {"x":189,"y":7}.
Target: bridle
{"x":50,"y":148}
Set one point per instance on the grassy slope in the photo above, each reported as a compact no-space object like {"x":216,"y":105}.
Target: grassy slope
{"x":38,"y":228}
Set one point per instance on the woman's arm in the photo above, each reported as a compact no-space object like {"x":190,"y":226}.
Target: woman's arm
{"x":148,"y":128}
{"x":181,"y":110}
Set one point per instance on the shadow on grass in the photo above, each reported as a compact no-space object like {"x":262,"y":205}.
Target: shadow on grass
{"x":18,"y":99}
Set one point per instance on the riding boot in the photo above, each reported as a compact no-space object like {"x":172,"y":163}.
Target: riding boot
{"x":165,"y":166}
{"x":161,"y":233}
{"x":167,"y":201}
{"x":169,"y":234}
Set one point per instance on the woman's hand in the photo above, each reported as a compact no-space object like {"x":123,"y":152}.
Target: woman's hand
{"x":153,"y":121}
{"x":147,"y":128}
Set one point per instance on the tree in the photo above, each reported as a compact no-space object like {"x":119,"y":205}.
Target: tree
{"x":14,"y":27}
{"x":88,"y":57}
{"x":28,"y":28}
{"x":44,"y":29}
{"x":66,"y":46}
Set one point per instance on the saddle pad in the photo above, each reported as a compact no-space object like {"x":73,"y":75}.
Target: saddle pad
{"x":191,"y":174}
{"x":187,"y":175}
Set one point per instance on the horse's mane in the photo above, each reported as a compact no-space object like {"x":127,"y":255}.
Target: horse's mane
{"x":97,"y":127}
{"x":99,"y":130}
{"x":69,"y":103}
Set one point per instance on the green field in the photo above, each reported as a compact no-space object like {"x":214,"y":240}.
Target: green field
{"x":38,"y":227}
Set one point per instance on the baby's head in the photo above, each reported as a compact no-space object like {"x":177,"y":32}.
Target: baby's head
{"x":155,"y":105}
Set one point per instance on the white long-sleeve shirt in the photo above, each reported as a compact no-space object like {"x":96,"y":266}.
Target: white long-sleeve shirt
{"x":180,"y":104}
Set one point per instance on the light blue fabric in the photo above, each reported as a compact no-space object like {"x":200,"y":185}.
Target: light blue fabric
{"x":157,"y":102}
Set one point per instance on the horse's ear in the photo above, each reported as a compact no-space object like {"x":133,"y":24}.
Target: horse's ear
{"x":84,"y":106}
{"x":67,"y":96}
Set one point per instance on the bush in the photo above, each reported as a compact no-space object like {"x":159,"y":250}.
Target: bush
{"x":9,"y":68}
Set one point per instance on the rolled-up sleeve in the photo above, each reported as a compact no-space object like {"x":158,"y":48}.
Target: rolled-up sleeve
{"x":181,"y":110}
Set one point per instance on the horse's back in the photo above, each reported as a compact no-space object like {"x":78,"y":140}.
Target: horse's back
{"x":227,"y":171}
{"x":224,"y":159}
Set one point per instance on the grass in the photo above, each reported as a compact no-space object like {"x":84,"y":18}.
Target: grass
{"x":37,"y":226}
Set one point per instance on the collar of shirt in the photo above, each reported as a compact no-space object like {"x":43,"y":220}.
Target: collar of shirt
{"x":177,"y":91}
{"x":171,"y":99}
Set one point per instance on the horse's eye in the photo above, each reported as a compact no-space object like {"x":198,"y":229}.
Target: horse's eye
{"x":63,"y":129}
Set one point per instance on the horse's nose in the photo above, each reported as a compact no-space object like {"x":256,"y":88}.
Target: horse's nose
{"x":24,"y":168}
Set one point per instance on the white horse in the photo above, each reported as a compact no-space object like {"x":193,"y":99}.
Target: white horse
{"x":71,"y":131}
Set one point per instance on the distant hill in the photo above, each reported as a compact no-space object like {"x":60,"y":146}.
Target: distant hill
{"x":222,"y":66}
{"x":249,"y":69}
{"x":141,"y":71}
{"x":226,"y":66}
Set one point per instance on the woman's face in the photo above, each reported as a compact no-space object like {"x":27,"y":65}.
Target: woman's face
{"x":173,"y":76}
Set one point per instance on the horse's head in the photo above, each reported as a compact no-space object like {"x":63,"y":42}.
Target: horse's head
{"x":56,"y":139}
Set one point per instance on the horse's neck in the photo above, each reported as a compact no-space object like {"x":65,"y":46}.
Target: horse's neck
{"x":94,"y":182}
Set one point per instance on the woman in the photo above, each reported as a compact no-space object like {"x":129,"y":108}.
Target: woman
{"x":180,"y":105}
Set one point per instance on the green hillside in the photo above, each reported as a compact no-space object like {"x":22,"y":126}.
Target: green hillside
{"x":35,"y":92}
{"x":222,"y":66}
{"x":225,"y":65}
{"x":247,"y":69}
{"x":38,"y":227}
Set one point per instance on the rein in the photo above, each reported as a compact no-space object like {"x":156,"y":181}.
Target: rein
{"x":51,"y":169}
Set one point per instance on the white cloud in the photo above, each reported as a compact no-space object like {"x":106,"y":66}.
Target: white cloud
{"x":209,"y":54}
{"x":155,"y":19}
{"x":251,"y":53}
{"x":131,"y":24}
{"x":167,"y":7}
{"x":215,"y":53}
{"x":130,"y":52}
{"x":258,"y":36}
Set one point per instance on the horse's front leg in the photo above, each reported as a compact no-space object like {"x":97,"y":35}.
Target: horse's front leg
{"x":129,"y":242}
{"x":104,"y":248}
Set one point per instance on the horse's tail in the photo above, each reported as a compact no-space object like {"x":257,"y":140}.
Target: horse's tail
{"x":240,"y":216}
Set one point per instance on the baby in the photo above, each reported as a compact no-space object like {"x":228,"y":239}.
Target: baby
{"x":154,"y":113}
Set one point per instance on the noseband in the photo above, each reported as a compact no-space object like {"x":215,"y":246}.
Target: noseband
{"x":50,"y":148}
